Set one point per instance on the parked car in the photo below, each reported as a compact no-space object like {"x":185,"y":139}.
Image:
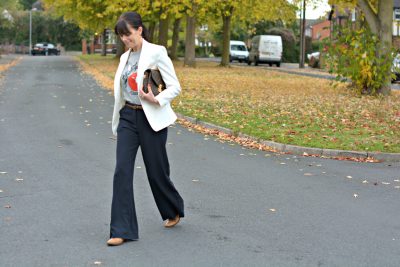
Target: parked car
{"x":396,"y":67}
{"x":238,"y":51}
{"x":46,"y":49}
{"x":313,"y":59}
{"x":266,"y":49}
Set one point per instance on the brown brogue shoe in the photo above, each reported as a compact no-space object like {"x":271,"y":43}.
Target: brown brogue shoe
{"x":116,"y":241}
{"x":172,"y":222}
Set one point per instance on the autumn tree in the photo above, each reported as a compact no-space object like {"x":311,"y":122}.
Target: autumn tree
{"x":248,"y":11}
{"x":94,"y":15}
{"x":6,"y":7}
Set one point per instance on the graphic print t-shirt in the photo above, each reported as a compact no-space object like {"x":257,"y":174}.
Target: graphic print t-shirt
{"x":128,"y":79}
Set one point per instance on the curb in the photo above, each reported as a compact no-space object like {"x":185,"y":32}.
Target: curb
{"x":300,"y":150}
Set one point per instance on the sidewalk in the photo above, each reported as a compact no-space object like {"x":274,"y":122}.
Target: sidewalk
{"x":293,"y":68}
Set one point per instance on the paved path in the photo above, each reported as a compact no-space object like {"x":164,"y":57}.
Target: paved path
{"x":243,"y":207}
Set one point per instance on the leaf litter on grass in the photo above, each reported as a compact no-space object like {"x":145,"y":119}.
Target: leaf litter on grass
{"x":280,"y":107}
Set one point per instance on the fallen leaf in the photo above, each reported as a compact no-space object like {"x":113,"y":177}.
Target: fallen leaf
{"x":282,"y":163}
{"x":349,"y":177}
{"x":308,"y":174}
{"x":385,"y":183}
{"x":273,"y":210}
{"x":3,"y":172}
{"x":7,"y":206}
{"x":396,"y":181}
{"x":18,"y":179}
{"x":138,"y":167}
{"x":355,"y":195}
{"x":365,"y":182}
{"x":195,"y":180}
{"x":97,"y":263}
{"x":1,"y":191}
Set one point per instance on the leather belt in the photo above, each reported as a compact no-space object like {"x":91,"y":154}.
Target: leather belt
{"x":133,"y":106}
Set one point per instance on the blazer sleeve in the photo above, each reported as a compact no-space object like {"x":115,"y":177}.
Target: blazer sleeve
{"x":173,"y":88}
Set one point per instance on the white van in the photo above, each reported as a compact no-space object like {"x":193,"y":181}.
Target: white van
{"x":238,"y":51}
{"x":266,"y":49}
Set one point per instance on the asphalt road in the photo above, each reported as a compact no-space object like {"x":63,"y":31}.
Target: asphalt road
{"x":243,"y":207}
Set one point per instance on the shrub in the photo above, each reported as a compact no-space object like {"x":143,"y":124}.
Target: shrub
{"x":354,"y":55}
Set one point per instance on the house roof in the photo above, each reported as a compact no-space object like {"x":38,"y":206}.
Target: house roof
{"x":396,"y":3}
{"x":311,"y":22}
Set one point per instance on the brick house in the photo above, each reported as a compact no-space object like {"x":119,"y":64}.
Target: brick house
{"x":320,"y":30}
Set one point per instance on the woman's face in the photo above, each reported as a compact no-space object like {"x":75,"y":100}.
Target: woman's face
{"x":134,"y":39}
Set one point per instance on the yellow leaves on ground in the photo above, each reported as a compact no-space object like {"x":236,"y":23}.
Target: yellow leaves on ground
{"x":4,"y":67}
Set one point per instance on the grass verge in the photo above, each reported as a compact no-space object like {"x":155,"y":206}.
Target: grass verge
{"x":280,"y":107}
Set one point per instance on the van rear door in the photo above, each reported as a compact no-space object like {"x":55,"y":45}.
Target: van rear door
{"x":270,"y":48}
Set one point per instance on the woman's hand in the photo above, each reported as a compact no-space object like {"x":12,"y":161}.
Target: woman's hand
{"x":149,"y":97}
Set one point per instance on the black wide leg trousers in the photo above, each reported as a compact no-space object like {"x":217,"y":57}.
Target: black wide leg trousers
{"x":134,"y":131}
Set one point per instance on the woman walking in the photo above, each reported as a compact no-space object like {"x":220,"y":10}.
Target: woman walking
{"x":141,"y":119}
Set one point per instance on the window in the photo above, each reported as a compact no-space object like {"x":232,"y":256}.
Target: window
{"x":396,"y":14}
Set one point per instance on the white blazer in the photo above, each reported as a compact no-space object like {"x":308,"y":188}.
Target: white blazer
{"x":152,"y":56}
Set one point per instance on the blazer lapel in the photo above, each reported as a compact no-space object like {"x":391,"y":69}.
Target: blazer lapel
{"x":121,"y":66}
{"x":143,"y":63}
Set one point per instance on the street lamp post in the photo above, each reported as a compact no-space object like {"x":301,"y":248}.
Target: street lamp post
{"x":30,"y":30}
{"x":303,"y":37}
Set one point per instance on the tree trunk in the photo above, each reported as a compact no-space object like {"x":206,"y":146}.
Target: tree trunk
{"x":163,"y":31}
{"x":175,"y":39}
{"x":152,"y":29}
{"x":226,"y":38}
{"x":104,"y":43}
{"x":381,"y":25}
{"x":385,"y":16}
{"x":120,"y":47}
{"x":190,"y":46}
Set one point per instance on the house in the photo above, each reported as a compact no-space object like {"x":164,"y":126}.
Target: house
{"x":309,"y":24}
{"x":396,"y":18}
{"x":320,"y":30}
